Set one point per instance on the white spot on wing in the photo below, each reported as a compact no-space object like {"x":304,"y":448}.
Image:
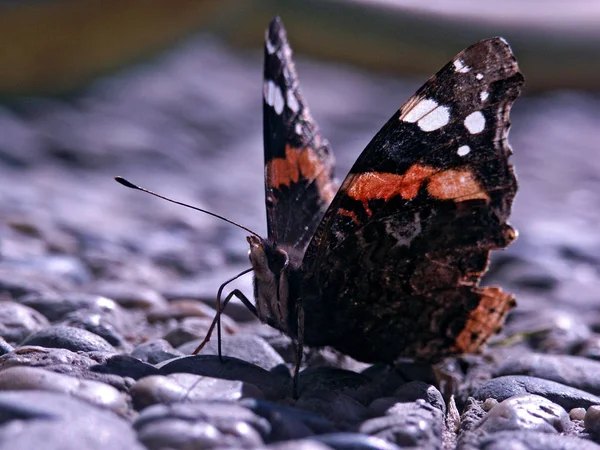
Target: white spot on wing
{"x":460,"y":66}
{"x":273,"y":96}
{"x":429,"y":115}
{"x":292,"y":102}
{"x":475,"y":122}
{"x":298,"y":128}
{"x":269,"y":45}
{"x":484,"y":95}
{"x":479,"y":76}
{"x":463,"y":150}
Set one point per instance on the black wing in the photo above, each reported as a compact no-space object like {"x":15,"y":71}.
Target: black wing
{"x":394,"y":267}
{"x":298,"y":161}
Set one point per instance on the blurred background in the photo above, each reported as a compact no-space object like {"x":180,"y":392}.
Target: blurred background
{"x":168,"y":94}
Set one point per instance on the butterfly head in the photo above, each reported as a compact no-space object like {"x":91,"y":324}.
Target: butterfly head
{"x":271,"y":266}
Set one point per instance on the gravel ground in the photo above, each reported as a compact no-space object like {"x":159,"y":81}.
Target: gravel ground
{"x":105,"y":291}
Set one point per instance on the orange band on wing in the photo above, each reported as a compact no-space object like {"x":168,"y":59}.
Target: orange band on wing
{"x":457,"y":185}
{"x":300,"y":163}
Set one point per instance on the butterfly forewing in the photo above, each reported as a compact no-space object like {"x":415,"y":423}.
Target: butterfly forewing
{"x":394,"y":266}
{"x":298,"y":162}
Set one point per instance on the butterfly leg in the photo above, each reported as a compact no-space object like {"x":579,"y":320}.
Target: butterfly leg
{"x":221,"y":307}
{"x":299,"y":351}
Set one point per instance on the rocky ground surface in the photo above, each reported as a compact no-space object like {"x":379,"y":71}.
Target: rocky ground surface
{"x":105,"y":291}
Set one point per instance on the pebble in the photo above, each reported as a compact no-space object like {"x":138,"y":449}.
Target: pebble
{"x":56,"y":421}
{"x":250,"y":348}
{"x":200,"y":425}
{"x":128,"y":295}
{"x":525,"y":440}
{"x":417,"y":424}
{"x":32,"y":378}
{"x":504,"y":387}
{"x":19,"y":321}
{"x":526,"y":412}
{"x":55,"y":307}
{"x":155,"y":351}
{"x":577,"y":414}
{"x":70,"y":338}
{"x":355,"y":441}
{"x":574,"y":371}
{"x":185,"y":387}
{"x":591,"y":420}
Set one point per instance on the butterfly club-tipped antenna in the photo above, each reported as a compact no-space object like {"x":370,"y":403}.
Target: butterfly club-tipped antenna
{"x":220,"y":307}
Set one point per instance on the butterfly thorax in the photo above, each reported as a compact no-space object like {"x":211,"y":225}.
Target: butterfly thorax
{"x":275,"y":271}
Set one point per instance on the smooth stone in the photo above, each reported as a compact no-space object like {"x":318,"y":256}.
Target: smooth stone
{"x":341,"y":409}
{"x":526,"y":412}
{"x":61,"y":267}
{"x":574,"y":371}
{"x":20,"y":284}
{"x":317,"y":379}
{"x":5,"y":347}
{"x":288,"y":422}
{"x":249,"y":348}
{"x":523,"y":440}
{"x":184,"y":387}
{"x":95,"y":323}
{"x":591,"y":420}
{"x":130,"y":295}
{"x":416,"y":424}
{"x":55,"y":307}
{"x":53,"y":421}
{"x":354,"y":441}
{"x":63,"y":361}
{"x":19,"y":321}
{"x":577,"y":414}
{"x":70,"y":338}
{"x":200,"y":425}
{"x":180,"y":309}
{"x":187,"y":330}
{"x":298,"y":444}
{"x":33,"y":378}
{"x":155,"y":351}
{"x":273,"y":384}
{"x":415,"y":390}
{"x":124,"y":366}
{"x":502,"y":388}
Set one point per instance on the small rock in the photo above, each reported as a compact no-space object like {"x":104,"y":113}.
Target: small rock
{"x":130,"y":295}
{"x":19,"y":321}
{"x":591,"y":420}
{"x":343,"y":410}
{"x":523,"y":440}
{"x":354,"y":441}
{"x":55,"y":307}
{"x":502,"y":388}
{"x":32,"y":378}
{"x":180,"y":387}
{"x":577,"y":414}
{"x":526,"y":412}
{"x":74,"y":339}
{"x":156,"y":351}
{"x":416,"y":424}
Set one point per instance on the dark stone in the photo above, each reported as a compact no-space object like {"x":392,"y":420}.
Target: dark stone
{"x":504,"y":387}
{"x":70,"y":338}
{"x":341,"y":409}
{"x":319,"y":379}
{"x":417,"y":424}
{"x":18,"y":321}
{"x":125,"y":366}
{"x":247,"y":347}
{"x":55,"y":307}
{"x":272,"y":384}
{"x":415,"y":390}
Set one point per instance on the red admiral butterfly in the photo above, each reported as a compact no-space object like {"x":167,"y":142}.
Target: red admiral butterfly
{"x":388,"y":265}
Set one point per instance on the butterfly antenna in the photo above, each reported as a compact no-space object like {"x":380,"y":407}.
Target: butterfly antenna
{"x":130,"y":185}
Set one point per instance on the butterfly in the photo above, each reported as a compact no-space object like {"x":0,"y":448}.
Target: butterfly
{"x":387,"y":265}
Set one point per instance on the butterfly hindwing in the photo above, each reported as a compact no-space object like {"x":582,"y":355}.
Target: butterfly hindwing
{"x":298,"y":161}
{"x":394,"y":266}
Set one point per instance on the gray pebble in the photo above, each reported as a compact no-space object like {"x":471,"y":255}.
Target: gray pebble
{"x":95,"y":323}
{"x":250,"y":348}
{"x":502,"y":388}
{"x":130,"y":295}
{"x":155,"y":351}
{"x":32,"y":378}
{"x":274,"y":385}
{"x":354,"y":441}
{"x":5,"y":347}
{"x":341,"y":409}
{"x":524,"y":440}
{"x":200,"y":425}
{"x":53,"y":421}
{"x":526,"y":412}
{"x":70,"y":338}
{"x":182,"y":387}
{"x":415,"y":390}
{"x":19,"y":321}
{"x":300,"y":444}
{"x":416,"y":424}
{"x":55,"y":307}
{"x":574,"y":371}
